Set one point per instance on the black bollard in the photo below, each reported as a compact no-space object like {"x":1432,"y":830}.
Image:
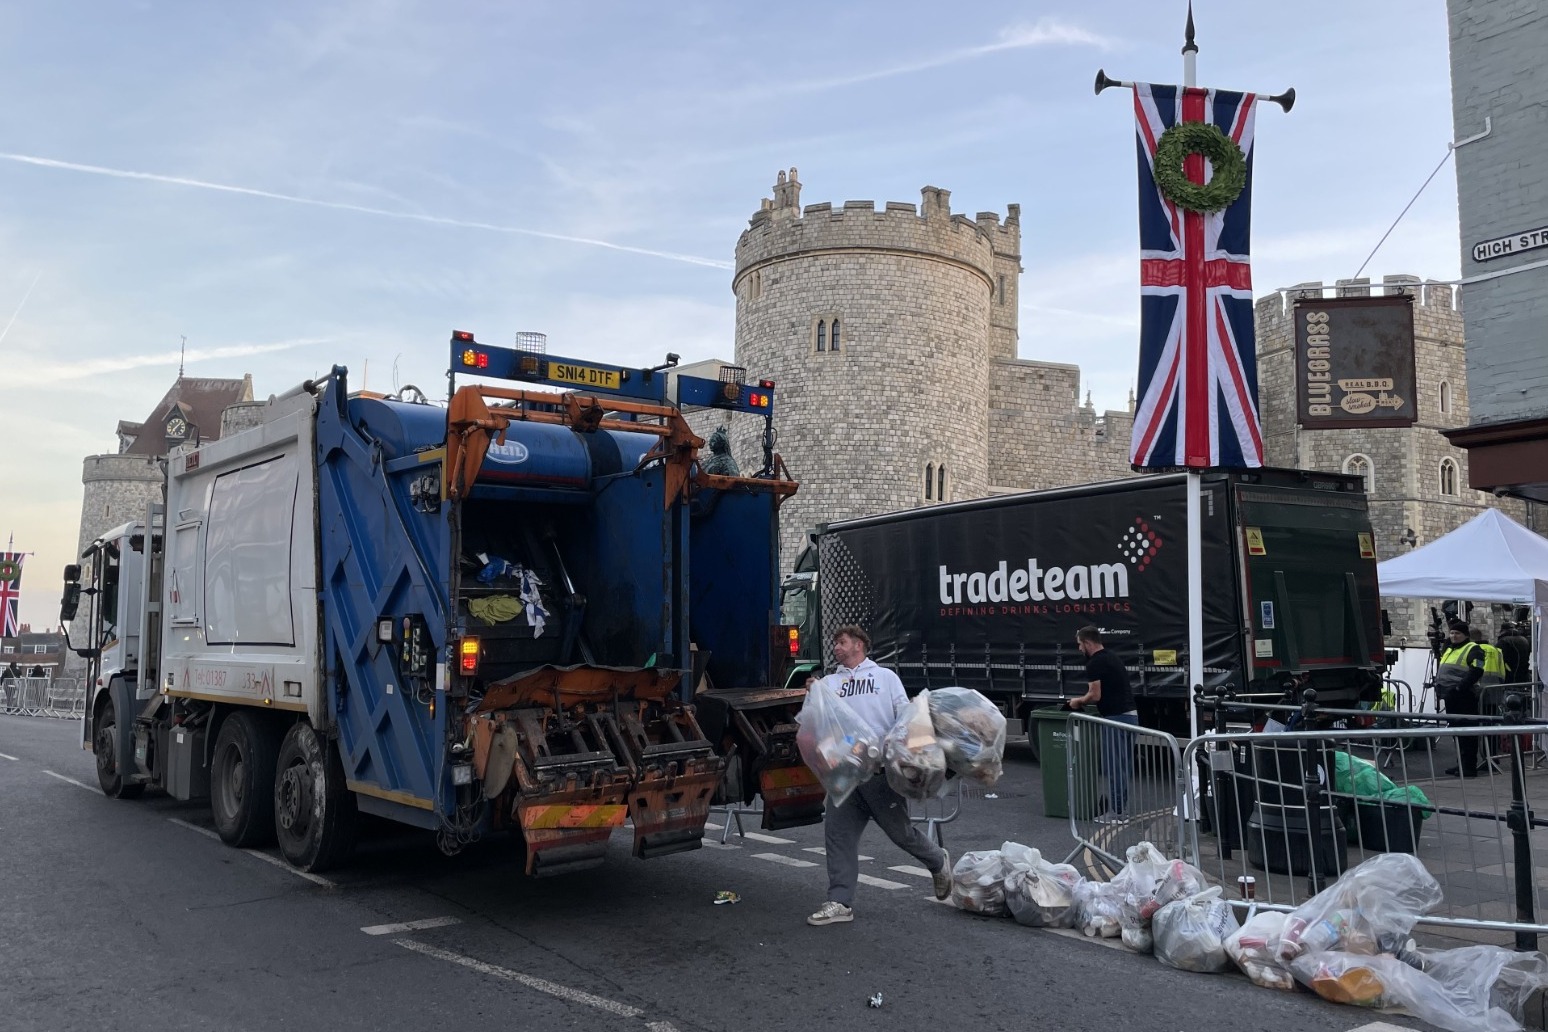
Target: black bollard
{"x":1519,"y":821}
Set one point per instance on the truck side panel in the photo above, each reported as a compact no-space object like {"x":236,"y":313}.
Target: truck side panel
{"x":733,"y":570}
{"x":239,"y":589}
{"x":990,"y":595}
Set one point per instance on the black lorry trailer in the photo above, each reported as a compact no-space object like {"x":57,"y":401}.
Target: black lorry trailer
{"x":988,"y":594}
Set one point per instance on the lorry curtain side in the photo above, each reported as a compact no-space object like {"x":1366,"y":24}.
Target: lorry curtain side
{"x":990,"y":596}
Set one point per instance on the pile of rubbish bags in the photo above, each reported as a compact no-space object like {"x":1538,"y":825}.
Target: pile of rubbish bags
{"x":949,"y":729}
{"x":1350,"y":943}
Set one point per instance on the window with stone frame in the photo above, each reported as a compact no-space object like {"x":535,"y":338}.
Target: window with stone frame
{"x":1362,"y":467}
{"x":1445,"y":398}
{"x":929,"y":482}
{"x":940,"y":482}
{"x":826,"y":332}
{"x":1448,"y":477}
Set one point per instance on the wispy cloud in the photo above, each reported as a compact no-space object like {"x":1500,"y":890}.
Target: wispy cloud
{"x":1044,"y":32}
{"x":82,"y":368}
{"x":19,"y":305}
{"x":437,"y":220}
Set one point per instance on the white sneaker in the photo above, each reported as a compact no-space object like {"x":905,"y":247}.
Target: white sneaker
{"x":831,"y":913}
{"x":941,"y":880}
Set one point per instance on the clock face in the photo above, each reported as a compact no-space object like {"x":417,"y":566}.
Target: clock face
{"x":177,"y":426}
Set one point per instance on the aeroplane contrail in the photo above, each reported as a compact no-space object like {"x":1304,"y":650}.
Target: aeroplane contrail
{"x":438,"y":220}
{"x":19,"y":305}
{"x":91,"y":367}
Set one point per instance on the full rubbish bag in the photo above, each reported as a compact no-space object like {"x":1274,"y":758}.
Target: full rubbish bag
{"x":912,"y":757}
{"x":1471,"y":989}
{"x":1360,"y":778}
{"x":1098,"y":909}
{"x":842,"y":749}
{"x":1371,"y":909}
{"x":1147,"y":882}
{"x":971,"y":731}
{"x":1039,"y":894}
{"x":978,"y":882}
{"x":1254,"y":948}
{"x":1190,"y":934}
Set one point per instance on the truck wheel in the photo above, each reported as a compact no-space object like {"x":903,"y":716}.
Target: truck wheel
{"x":242,"y":781}
{"x":314,"y":813}
{"x":104,"y":745}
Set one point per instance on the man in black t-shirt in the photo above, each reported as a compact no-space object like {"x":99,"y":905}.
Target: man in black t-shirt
{"x":1107,"y":685}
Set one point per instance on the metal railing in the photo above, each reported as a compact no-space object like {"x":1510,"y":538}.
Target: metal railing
{"x":63,"y":697}
{"x":1124,"y":786}
{"x":1281,"y":814}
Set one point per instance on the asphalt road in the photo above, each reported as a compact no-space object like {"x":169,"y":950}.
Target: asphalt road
{"x":118,"y":914}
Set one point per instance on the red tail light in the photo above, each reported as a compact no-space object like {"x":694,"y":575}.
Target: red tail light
{"x":468,"y":653}
{"x":795,"y":641}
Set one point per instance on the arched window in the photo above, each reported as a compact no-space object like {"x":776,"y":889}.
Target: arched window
{"x":940,"y":482}
{"x":1360,"y":466}
{"x":1445,"y":398}
{"x":822,"y":335}
{"x":929,"y":481}
{"x":1448,"y":477}
{"x":835,"y":333}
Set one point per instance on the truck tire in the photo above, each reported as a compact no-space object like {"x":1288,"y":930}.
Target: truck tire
{"x":104,"y":744}
{"x":314,"y":813}
{"x":242,"y":781}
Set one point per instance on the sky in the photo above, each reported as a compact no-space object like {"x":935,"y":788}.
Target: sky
{"x":293,"y":185}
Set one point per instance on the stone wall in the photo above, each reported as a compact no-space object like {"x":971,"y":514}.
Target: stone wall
{"x":117,"y":488}
{"x":1042,"y":436}
{"x":916,"y":293}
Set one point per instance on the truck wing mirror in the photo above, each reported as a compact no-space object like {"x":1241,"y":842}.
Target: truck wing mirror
{"x":71,"y":600}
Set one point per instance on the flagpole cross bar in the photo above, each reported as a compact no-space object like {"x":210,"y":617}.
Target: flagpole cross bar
{"x":1285,"y":100}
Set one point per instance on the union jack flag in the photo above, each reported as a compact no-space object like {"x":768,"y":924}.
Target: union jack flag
{"x":10,"y":593}
{"x":1198,"y":374}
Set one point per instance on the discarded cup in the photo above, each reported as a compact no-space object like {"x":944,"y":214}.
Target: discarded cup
{"x":875,"y":1001}
{"x":1247,"y":885}
{"x":726,"y":897}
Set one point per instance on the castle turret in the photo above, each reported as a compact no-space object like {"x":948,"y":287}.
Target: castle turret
{"x":880,"y":328}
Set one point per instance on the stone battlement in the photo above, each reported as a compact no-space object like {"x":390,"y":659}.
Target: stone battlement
{"x":121,"y":467}
{"x":1429,"y":295}
{"x":782,"y":228}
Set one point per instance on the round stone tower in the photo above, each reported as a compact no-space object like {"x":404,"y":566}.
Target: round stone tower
{"x":879,"y":328}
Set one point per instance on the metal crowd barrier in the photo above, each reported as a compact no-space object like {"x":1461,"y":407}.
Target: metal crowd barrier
{"x":63,"y":697}
{"x":1282,"y":814}
{"x":1124,"y":786}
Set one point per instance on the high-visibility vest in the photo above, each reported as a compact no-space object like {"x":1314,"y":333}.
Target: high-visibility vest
{"x":1454,"y":667}
{"x":1494,"y":664}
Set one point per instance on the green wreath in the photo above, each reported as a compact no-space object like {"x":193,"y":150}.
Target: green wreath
{"x":10,"y":569}
{"x":1230,"y":167}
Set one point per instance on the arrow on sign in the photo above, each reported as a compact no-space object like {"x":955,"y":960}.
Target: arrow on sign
{"x":1391,"y":401}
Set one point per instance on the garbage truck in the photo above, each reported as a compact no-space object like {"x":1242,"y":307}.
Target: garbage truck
{"x":527,"y":610}
{"x":988,"y":594}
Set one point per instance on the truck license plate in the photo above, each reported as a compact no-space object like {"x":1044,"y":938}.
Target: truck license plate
{"x":583,"y":376}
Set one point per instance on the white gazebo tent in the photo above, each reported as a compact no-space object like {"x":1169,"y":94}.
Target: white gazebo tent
{"x":1490,"y":558}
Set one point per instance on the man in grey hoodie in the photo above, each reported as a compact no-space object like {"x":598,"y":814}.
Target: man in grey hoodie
{"x":877,"y":697}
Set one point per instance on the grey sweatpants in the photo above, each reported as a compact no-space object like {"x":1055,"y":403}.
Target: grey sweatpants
{"x":873,"y":801}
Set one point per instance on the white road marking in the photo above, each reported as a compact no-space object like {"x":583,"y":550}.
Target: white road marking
{"x":659,"y":1026}
{"x":1380,"y":1026}
{"x":542,"y":985}
{"x":6,"y":756}
{"x":315,"y":879}
{"x":788,"y":861}
{"x":712,"y":844}
{"x":714,"y":827}
{"x":820,"y":851}
{"x":206,"y":832}
{"x":773,"y":840}
{"x":410,"y":926}
{"x":918,"y":872}
{"x":77,"y":784}
{"x":881,"y":883}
